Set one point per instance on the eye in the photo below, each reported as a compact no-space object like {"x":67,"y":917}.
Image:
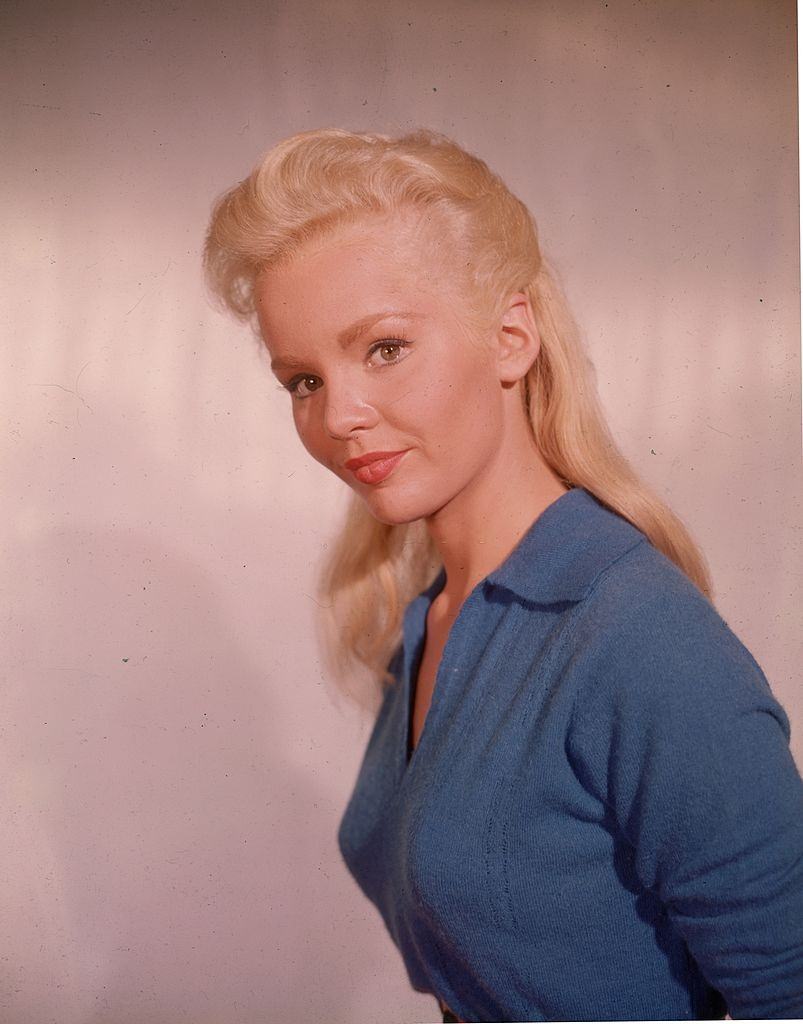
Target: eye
{"x":388,"y":347}
{"x":388,"y":352}
{"x":303,"y":386}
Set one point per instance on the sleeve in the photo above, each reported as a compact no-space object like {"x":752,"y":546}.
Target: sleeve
{"x":676,"y":730}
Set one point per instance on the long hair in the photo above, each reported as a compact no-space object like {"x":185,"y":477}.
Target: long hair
{"x":316,"y":181}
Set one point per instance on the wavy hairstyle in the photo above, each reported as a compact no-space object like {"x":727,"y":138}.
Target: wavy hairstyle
{"x":317,"y":181}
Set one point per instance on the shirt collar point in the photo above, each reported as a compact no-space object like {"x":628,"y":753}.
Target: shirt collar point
{"x":567,"y":547}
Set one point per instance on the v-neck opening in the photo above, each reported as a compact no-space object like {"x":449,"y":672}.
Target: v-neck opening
{"x":409,"y":754}
{"x":411,"y":681}
{"x":412,"y":690}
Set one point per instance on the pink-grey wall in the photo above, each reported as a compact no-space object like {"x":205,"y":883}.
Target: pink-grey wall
{"x":174,"y":764}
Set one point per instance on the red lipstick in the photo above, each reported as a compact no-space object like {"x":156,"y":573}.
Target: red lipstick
{"x":375,"y":466}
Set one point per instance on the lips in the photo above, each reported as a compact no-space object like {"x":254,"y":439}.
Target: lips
{"x":375,"y":466}
{"x":365,"y":460}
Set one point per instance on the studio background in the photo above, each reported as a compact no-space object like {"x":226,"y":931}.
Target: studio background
{"x":174,"y":762}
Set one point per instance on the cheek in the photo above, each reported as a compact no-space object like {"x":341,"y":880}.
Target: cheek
{"x":457,"y":406}
{"x":317,"y":442}
{"x":311,"y":437}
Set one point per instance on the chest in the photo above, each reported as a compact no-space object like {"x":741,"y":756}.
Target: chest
{"x":488,"y":710}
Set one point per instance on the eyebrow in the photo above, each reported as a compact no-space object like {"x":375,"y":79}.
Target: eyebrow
{"x":349,"y":335}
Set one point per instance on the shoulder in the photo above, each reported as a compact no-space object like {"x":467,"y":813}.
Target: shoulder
{"x":653,"y":641}
{"x":675,"y":731}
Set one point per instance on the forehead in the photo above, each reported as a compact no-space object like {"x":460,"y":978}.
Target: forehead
{"x":353,"y":272}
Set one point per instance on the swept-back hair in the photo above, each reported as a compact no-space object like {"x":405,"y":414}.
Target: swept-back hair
{"x":317,"y":181}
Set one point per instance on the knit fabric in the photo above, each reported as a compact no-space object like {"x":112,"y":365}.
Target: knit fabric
{"x":602,"y":819}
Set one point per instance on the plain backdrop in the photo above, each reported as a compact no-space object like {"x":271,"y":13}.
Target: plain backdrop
{"x":174,"y":762}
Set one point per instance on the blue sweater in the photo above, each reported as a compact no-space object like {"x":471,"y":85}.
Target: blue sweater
{"x":602,"y":819}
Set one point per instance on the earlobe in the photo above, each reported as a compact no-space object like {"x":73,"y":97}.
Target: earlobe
{"x":518,"y":339}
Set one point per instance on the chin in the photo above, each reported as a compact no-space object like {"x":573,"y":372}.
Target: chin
{"x":394,"y":511}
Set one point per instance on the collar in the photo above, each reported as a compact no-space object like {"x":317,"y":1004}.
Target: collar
{"x":563,"y":552}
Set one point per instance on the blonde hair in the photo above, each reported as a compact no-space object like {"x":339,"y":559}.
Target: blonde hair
{"x":316,"y":181}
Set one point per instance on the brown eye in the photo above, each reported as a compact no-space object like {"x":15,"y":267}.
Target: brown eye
{"x":389,"y":351}
{"x":303,"y":387}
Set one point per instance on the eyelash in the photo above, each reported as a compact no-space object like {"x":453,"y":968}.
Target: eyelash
{"x":397,"y":342}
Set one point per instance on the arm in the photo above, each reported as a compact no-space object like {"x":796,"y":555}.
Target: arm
{"x":678,"y":732}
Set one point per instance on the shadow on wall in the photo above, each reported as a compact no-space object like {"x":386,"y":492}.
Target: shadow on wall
{"x":169,"y":850}
{"x":160,"y":838}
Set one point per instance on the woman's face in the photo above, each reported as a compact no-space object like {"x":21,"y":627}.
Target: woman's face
{"x":363,"y":327}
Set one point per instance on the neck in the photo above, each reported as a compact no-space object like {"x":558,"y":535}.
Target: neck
{"x":479,"y":528}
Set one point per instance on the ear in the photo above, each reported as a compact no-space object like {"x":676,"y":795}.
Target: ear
{"x":518,"y":340}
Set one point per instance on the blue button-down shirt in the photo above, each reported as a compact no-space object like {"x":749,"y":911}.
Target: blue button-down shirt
{"x":602,"y":818}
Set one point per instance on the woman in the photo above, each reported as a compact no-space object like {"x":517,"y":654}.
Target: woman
{"x":578,"y":800}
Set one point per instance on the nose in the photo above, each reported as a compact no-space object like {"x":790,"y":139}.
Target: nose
{"x":347,"y":409}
